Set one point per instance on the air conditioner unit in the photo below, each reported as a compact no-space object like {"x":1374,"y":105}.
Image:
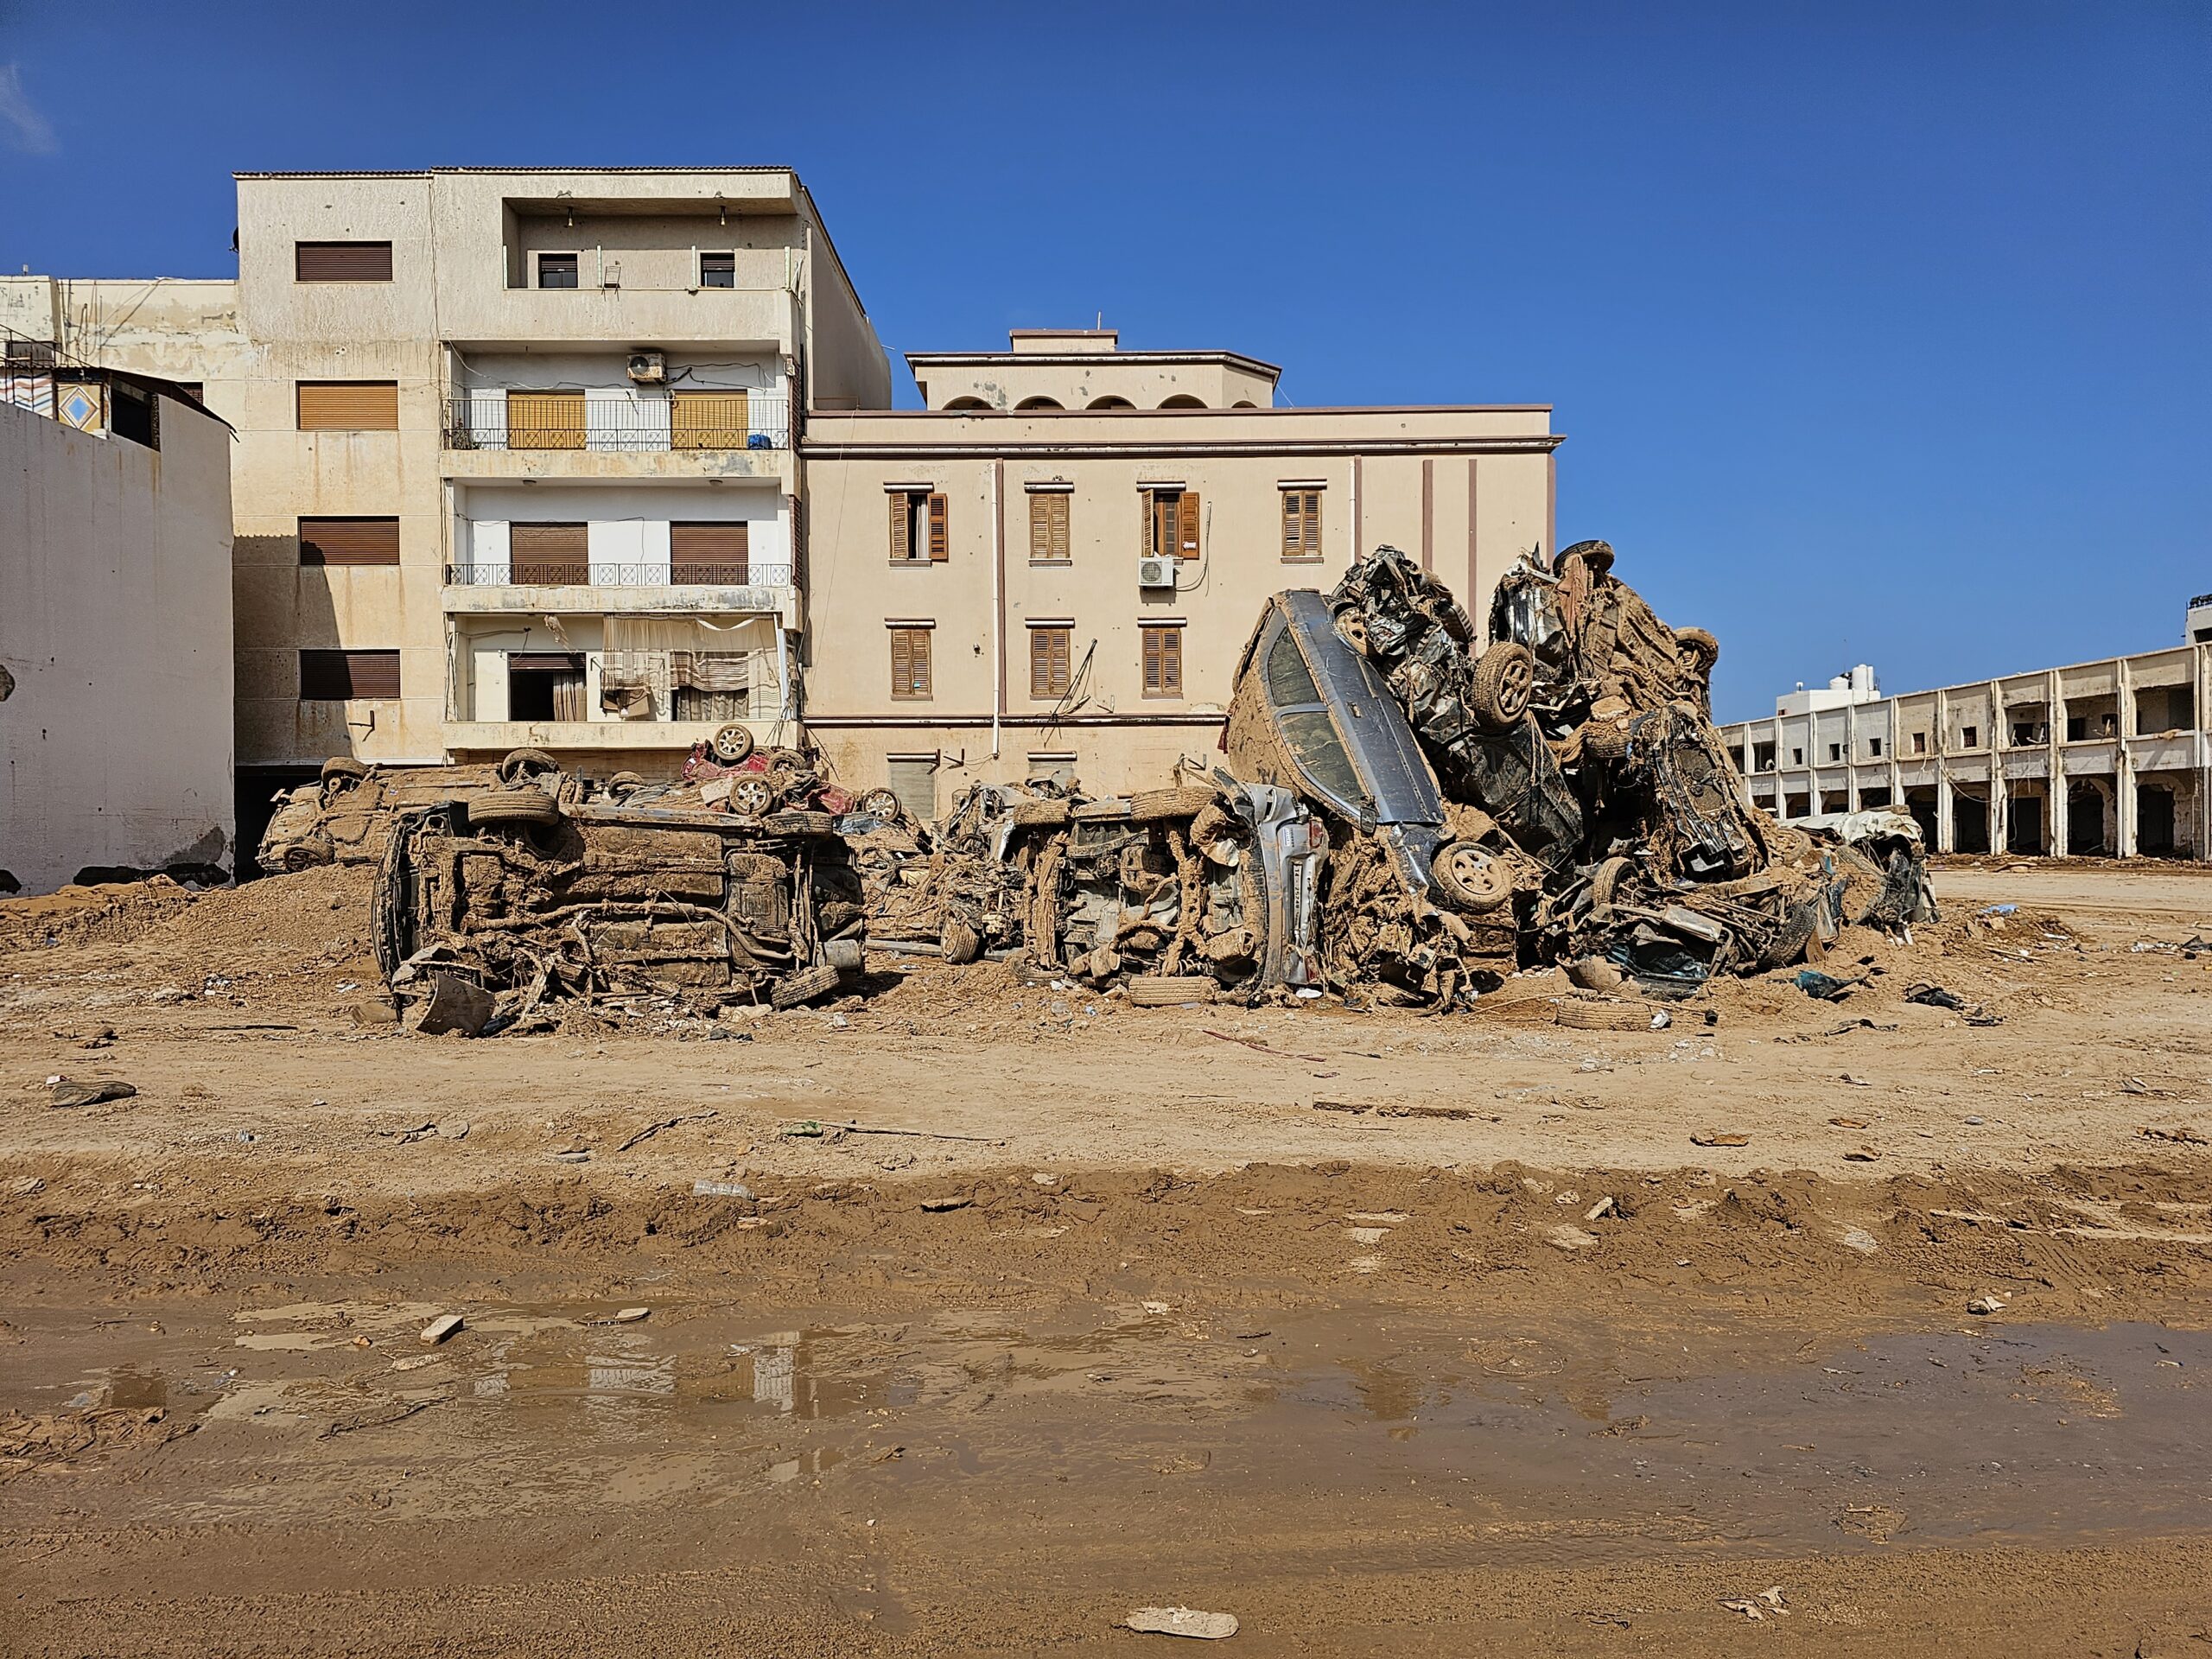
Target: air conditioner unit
{"x":1155,"y":573}
{"x":648,"y":368}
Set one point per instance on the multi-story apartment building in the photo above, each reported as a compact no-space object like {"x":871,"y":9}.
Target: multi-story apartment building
{"x":516,"y":455}
{"x":2110,"y":758}
{"x":1054,"y":566}
{"x":115,"y":626}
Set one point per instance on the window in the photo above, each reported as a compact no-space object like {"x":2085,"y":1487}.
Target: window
{"x":718,"y":271}
{"x":919,"y":528}
{"x":349,"y":540}
{"x":1920,"y":743}
{"x":549,"y":555}
{"x":1762,"y":757}
{"x":348,"y":405}
{"x":1170,"y":523}
{"x":1048,"y":527}
{"x":545,"y":685}
{"x":131,"y":414}
{"x":335,"y":676}
{"x":718,"y":553}
{"x":709,"y":420}
{"x":912,"y":778}
{"x":545,"y":420}
{"x":1797,"y":757}
{"x":1163,"y":659}
{"x":1970,"y":736}
{"x":910,"y":662}
{"x":1735,"y":759}
{"x":1874,"y":747}
{"x":341,"y":261}
{"x":1048,"y":661}
{"x":557,"y":270}
{"x":1796,"y":806}
{"x":1302,"y":524}
{"x":1835,"y":752}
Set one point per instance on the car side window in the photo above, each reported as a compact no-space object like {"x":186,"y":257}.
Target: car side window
{"x":1290,"y":683}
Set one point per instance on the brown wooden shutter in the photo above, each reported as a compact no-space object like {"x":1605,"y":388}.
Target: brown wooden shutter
{"x":335,"y":676}
{"x":545,"y":420}
{"x":708,"y":552}
{"x":349,"y":540}
{"x":349,"y":405}
{"x":341,"y":261}
{"x":1292,"y":526}
{"x":1041,"y":662}
{"x":1061,"y":546}
{"x":1313,"y":513}
{"x":709,"y":420}
{"x":1040,"y":528}
{"x":1187,"y":529}
{"x":923,"y":686}
{"x":549,"y":553}
{"x":1171,"y":661}
{"x":902,"y":525}
{"x":1152,"y":662}
{"x":902,"y":663}
{"x":940,"y":538}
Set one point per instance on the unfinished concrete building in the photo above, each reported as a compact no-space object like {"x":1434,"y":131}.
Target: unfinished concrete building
{"x":2105,"y":758}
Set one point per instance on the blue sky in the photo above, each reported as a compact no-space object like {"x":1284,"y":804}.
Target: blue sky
{"x":1877,"y":333}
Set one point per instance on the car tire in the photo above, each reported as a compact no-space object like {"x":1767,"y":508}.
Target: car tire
{"x":1595,"y":1013}
{"x":623,"y":782}
{"x":732,"y":745}
{"x":803,"y":987}
{"x":1170,"y":990}
{"x":1702,"y":641}
{"x":880,"y":804}
{"x":305,"y":856}
{"x":1605,"y":880}
{"x":525,"y":804}
{"x":1044,"y":810}
{"x":1458,"y":625}
{"x":519,"y":763}
{"x":800,"y":824}
{"x":1498,"y":696}
{"x":343,"y":769}
{"x":751,"y":796}
{"x":960,"y":943}
{"x":1152,"y":805}
{"x":1474,"y":879}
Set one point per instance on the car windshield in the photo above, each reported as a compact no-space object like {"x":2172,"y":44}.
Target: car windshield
{"x":1344,"y":730}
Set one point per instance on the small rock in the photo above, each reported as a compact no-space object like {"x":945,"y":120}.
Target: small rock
{"x":1599,"y":1210}
{"x":1182,"y":1621}
{"x":442,"y":1327}
{"x":455,"y":1129}
{"x":64,"y":1092}
{"x":1859,"y":1239}
{"x":1986,"y":1306}
{"x":1564,"y":1237}
{"x":939,"y":1206}
{"x":630,"y":1315}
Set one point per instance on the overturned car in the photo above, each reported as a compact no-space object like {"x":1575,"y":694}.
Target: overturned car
{"x":548,"y":888}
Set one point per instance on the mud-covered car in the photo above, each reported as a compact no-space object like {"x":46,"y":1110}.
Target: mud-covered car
{"x":1195,"y":884}
{"x":1414,"y":893}
{"x":546,"y":889}
{"x":345,"y":816}
{"x":1582,"y":731}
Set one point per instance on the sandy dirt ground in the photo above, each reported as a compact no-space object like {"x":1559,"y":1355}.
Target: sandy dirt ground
{"x":1389,"y":1335}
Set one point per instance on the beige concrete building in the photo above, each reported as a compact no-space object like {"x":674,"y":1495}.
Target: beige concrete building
{"x":2111,"y":757}
{"x":115,"y":626}
{"x":515,"y":460}
{"x":1054,"y":567}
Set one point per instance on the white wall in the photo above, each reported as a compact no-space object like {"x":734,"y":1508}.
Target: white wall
{"x":115,"y":621}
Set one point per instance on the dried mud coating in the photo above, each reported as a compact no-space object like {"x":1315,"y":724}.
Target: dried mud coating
{"x":1502,"y":1353}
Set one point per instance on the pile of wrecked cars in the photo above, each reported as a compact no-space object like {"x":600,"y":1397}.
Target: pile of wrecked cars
{"x":1405,"y":809}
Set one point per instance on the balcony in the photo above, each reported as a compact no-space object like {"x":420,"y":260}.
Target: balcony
{"x":602,"y":587}
{"x":618,"y":420}
{"x":595,"y":573}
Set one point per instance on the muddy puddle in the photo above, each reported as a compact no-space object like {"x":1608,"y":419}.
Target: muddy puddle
{"x":1555,"y":1444}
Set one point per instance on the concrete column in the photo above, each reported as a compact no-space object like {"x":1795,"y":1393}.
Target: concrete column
{"x":1851,"y":757}
{"x":2123,"y":764}
{"x":2000,"y":792}
{"x":2203,"y":740}
{"x":2054,"y":797}
{"x":1946,"y":829}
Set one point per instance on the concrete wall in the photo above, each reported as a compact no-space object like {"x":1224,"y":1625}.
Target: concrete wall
{"x":115,"y":624}
{"x":1466,"y":492}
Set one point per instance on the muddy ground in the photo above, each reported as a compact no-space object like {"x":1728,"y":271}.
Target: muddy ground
{"x":1389,"y":1335}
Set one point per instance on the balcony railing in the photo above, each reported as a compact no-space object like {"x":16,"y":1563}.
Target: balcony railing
{"x":599,"y":573}
{"x":616,"y":421}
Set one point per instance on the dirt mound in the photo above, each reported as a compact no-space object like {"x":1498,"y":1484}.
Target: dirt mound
{"x":110,"y":914}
